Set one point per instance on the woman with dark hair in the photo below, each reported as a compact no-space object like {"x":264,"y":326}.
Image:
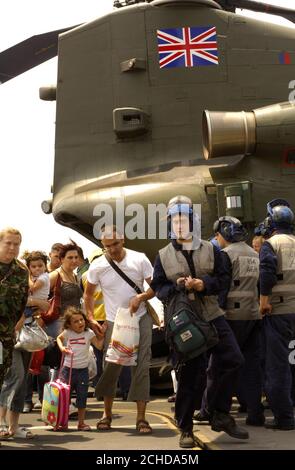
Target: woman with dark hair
{"x":70,"y":291}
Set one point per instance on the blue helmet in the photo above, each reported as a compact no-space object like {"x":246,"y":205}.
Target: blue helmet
{"x":279,"y":214}
{"x":231,"y":229}
{"x":258,"y":230}
{"x":182,"y":205}
{"x":264,"y":228}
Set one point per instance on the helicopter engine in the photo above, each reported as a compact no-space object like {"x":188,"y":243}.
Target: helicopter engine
{"x":248,"y":133}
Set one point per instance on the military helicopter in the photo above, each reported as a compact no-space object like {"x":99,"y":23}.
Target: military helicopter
{"x":135,"y":91}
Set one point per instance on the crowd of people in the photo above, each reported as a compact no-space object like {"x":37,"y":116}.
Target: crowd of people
{"x":245,"y":293}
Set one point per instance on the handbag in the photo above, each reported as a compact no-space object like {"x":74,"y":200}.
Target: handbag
{"x":153,"y":314}
{"x":32,"y":338}
{"x":149,"y":308}
{"x":54,"y":311}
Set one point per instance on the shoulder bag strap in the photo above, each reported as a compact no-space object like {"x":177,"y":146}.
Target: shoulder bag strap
{"x":123,"y":275}
{"x":57,"y":286}
{"x":56,"y":293}
{"x":192,"y":266}
{"x":149,"y":308}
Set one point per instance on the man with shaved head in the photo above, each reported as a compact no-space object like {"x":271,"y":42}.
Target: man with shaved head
{"x":118,"y":293}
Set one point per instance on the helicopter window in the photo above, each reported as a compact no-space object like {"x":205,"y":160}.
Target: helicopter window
{"x":233,"y":202}
{"x":288,"y":162}
{"x":133,"y":119}
{"x":290,"y":157}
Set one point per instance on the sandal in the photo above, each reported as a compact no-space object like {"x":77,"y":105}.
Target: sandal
{"x":143,"y":427}
{"x":4,"y":432}
{"x":84,"y":427}
{"x":23,"y":433}
{"x":104,"y":424}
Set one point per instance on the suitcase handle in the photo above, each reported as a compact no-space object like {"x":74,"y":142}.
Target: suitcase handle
{"x":61,"y":366}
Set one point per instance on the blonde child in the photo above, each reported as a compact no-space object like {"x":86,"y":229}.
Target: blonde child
{"x":76,"y":339}
{"x":257,"y":243}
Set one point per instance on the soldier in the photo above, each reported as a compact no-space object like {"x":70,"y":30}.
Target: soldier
{"x":197,"y":265}
{"x":277,"y":305}
{"x":14,"y":286}
{"x":242,"y":311}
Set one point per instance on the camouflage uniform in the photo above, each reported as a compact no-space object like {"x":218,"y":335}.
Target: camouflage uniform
{"x":14,"y":287}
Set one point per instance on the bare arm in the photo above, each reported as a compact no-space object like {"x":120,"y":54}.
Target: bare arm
{"x":89,"y":307}
{"x":97,"y":342}
{"x":60,"y":341}
{"x":40,"y":303}
{"x":89,"y":300}
{"x":20,"y":323}
{"x":143,"y":297}
{"x":35,"y":285}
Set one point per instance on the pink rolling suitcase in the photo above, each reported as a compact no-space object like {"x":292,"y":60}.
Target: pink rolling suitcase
{"x":56,"y":401}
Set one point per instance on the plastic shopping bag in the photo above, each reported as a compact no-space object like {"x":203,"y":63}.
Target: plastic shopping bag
{"x":123,"y":347}
{"x":92,"y":365}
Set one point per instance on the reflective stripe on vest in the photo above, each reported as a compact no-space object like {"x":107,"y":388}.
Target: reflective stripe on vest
{"x":237,"y":294}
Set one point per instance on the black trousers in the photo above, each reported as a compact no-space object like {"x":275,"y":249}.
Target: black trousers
{"x":278,"y":331}
{"x":222,"y":374}
{"x":249,"y":386}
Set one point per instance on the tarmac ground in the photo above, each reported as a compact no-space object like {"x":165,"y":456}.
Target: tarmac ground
{"x":123,"y":435}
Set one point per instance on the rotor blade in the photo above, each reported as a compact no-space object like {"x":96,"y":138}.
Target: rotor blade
{"x":287,"y":13}
{"x":29,"y":53}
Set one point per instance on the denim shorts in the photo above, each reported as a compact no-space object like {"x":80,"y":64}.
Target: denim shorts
{"x":79,"y":383}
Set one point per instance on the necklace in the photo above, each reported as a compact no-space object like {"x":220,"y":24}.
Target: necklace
{"x":69,"y":277}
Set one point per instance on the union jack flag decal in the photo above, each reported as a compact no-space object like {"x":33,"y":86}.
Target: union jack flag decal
{"x":187,"y":46}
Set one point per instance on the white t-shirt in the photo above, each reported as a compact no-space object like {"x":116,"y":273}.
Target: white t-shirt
{"x":43,"y":292}
{"x":80,"y":344}
{"x":116,"y":292}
